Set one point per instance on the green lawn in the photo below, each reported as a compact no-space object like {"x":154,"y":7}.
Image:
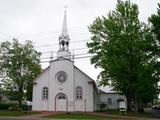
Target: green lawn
{"x":77,"y":116}
{"x":16,"y":113}
{"x":129,"y":113}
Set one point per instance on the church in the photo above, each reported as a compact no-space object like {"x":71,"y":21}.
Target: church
{"x":64,"y":87}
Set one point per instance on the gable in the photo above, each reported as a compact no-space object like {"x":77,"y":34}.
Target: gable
{"x":88,"y":79}
{"x":42,"y":74}
{"x":82,"y":73}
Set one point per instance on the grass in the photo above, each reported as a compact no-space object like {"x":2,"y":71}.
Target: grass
{"x":16,"y":113}
{"x":80,"y":116}
{"x":129,"y":113}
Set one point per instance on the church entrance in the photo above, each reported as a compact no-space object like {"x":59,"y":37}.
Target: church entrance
{"x":61,"y":102}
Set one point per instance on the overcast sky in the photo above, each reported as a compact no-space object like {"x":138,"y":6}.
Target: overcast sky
{"x":41,"y":22}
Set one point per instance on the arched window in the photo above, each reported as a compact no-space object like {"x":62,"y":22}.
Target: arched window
{"x":61,"y":97}
{"x":45,"y":93}
{"x":79,"y":93}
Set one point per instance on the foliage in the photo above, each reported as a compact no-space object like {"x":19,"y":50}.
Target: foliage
{"x":6,"y":106}
{"x":16,"y":113}
{"x":102,"y":106}
{"x":21,"y":64}
{"x":155,"y":21}
{"x":125,"y":49}
{"x":19,"y":108}
{"x":155,"y":26}
{"x":14,"y":107}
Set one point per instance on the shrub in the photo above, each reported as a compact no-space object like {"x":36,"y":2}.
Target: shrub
{"x":6,"y":106}
{"x":102,"y":106}
{"x":26,"y":107}
{"x":14,"y":107}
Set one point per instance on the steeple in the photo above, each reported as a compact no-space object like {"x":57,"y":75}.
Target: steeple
{"x":64,"y":27}
{"x":64,"y":39}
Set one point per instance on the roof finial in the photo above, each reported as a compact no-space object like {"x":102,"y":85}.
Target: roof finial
{"x":65,"y":8}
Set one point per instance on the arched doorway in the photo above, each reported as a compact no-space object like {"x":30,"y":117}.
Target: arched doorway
{"x":61,"y":102}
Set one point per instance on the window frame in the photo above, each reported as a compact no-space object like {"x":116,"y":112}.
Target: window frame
{"x":109,"y":101}
{"x":45,"y":93}
{"x":79,"y":93}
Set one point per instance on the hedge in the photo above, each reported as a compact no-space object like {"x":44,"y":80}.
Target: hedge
{"x":14,"y":107}
{"x":6,"y":106}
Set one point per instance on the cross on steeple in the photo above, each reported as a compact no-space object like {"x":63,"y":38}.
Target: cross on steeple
{"x":65,"y":7}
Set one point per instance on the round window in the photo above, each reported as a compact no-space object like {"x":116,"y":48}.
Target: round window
{"x":61,"y":76}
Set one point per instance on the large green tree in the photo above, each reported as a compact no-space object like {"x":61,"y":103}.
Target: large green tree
{"x":21,"y":64}
{"x":123,"y":47}
{"x":155,"y":26}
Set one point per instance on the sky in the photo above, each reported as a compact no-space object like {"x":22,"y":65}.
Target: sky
{"x":41,"y":22}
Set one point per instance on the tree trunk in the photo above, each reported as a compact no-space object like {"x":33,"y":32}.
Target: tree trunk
{"x":20,"y":102}
{"x":129,"y":101}
{"x":20,"y":97}
{"x":140,"y":107}
{"x":135,"y":106}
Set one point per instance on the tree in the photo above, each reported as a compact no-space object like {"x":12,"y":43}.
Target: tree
{"x":123,"y":47}
{"x":21,"y":64}
{"x":155,"y":24}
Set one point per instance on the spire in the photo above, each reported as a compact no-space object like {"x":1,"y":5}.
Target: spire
{"x":64,"y":40}
{"x":64,"y":37}
{"x":64,"y":27}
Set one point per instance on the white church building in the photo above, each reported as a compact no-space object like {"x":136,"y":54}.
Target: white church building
{"x":64,"y":87}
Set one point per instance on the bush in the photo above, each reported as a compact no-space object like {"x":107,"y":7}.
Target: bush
{"x":102,"y":106}
{"x":101,"y":110}
{"x":6,"y":106}
{"x":26,"y":107}
{"x":15,"y":107}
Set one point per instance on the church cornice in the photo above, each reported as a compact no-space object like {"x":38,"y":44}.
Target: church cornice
{"x":61,"y":59}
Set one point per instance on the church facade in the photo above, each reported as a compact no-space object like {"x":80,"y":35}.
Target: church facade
{"x":62,"y":86}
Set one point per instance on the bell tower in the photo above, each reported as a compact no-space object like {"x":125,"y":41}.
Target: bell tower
{"x":64,"y":40}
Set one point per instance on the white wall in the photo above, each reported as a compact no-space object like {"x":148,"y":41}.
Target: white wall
{"x":75,"y":78}
{"x":82,"y":80}
{"x":42,"y":81}
{"x":66,"y":87}
{"x":114,"y":97}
